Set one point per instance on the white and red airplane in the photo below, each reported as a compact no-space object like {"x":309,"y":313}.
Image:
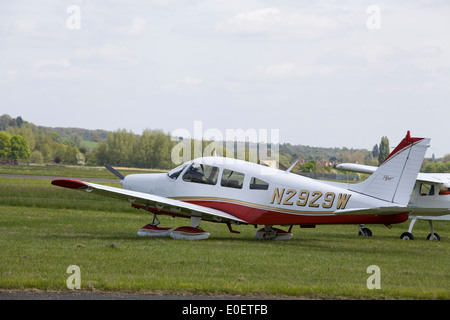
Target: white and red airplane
{"x":235,"y":192}
{"x":430,"y":194}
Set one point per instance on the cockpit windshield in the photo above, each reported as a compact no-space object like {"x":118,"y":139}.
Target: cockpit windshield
{"x":174,"y":173}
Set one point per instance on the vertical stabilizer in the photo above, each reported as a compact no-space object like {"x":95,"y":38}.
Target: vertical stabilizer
{"x":394,"y":179}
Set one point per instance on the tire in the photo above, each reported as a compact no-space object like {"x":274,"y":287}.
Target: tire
{"x":407,"y":236}
{"x":365,"y":232}
{"x":433,"y":236}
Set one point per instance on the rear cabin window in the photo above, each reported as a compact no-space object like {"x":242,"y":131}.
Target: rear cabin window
{"x":258,"y":184}
{"x":232,"y":179}
{"x":201,"y":173}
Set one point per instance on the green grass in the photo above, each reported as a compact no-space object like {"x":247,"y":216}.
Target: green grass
{"x":44,"y":229}
{"x":70,"y":171}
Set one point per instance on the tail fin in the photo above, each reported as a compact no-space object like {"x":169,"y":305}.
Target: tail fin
{"x":394,"y":179}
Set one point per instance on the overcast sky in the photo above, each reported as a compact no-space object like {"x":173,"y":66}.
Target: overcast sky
{"x":324,"y":73}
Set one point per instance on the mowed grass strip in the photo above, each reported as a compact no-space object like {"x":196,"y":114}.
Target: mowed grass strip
{"x":45,"y":229}
{"x":70,"y":171}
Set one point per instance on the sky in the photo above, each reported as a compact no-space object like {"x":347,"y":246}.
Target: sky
{"x":320,"y":73}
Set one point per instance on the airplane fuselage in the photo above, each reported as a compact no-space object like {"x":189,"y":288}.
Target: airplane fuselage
{"x":260,"y":195}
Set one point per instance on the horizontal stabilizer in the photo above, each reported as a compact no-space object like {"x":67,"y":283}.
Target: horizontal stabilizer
{"x":432,"y":218}
{"x":386,"y":211}
{"x":380,"y":211}
{"x":429,"y":212}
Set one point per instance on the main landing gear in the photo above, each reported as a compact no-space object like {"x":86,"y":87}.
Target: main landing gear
{"x":364,"y":232}
{"x":269,"y":233}
{"x":408,"y":235}
{"x":193,"y":232}
{"x":152,"y":229}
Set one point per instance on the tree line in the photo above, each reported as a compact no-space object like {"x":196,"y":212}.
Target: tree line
{"x":24,"y":141}
{"x":151,"y":149}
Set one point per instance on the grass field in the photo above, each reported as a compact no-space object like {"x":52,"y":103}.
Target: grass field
{"x":70,"y":171}
{"x":45,"y":229}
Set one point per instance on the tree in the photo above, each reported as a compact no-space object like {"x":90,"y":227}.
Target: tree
{"x":5,"y":145}
{"x":144,"y":149}
{"x":19,"y":148}
{"x":101,"y":154}
{"x":383,"y":150}
{"x":19,"y":121}
{"x":120,"y":147}
{"x":309,"y":166}
{"x":375,"y":151}
{"x":161,"y":151}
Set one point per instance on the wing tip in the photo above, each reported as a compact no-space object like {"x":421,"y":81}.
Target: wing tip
{"x":69,"y":183}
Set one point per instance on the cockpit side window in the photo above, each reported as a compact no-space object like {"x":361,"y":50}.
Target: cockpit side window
{"x":232,"y":179}
{"x":426,"y":189}
{"x":174,"y":173}
{"x":201,"y":173}
{"x":258,"y":184}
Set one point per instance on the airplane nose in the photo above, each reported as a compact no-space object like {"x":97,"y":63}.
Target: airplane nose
{"x":141,"y":182}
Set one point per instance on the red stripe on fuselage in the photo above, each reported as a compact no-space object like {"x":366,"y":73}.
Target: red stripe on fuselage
{"x":271,"y":217}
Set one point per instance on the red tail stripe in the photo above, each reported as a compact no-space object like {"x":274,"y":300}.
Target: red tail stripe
{"x":407,"y":141}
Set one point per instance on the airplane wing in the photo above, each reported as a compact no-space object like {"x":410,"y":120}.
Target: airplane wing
{"x":442,"y":178}
{"x":356,"y":167}
{"x":158,"y":203}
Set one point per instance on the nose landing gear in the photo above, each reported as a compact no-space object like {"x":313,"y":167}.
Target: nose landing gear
{"x":408,"y":235}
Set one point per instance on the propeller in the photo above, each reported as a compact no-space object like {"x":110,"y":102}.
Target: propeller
{"x":114,"y":172}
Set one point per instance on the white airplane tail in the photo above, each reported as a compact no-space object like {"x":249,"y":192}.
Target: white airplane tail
{"x":394,"y":179}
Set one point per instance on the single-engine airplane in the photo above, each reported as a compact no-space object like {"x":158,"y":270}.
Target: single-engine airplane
{"x":235,"y":192}
{"x":430,"y":194}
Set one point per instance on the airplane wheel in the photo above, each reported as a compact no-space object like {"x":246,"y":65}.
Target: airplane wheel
{"x":433,"y":236}
{"x":189,"y":233}
{"x":150,"y":230}
{"x":272,"y":234}
{"x":365,"y":232}
{"x":407,"y":236}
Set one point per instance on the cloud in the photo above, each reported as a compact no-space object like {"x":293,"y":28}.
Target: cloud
{"x":62,"y":69}
{"x":379,"y":52}
{"x":288,"y":70}
{"x":275,"y":23}
{"x":187,"y":82}
{"x":64,"y":63}
{"x":191,"y":81}
{"x":24,"y":26}
{"x":137,"y":26}
{"x":108,"y":52}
